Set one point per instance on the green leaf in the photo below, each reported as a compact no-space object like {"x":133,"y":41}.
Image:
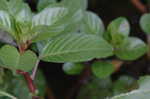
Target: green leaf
{"x":24,"y":15}
{"x":117,"y":31}
{"x":49,"y":16}
{"x":11,"y":59}
{"x":76,"y":48}
{"x":144,"y":23}
{"x":124,"y":84}
{"x":44,"y":3}
{"x":92,"y":24}
{"x":73,"y":68}
{"x":49,"y":23}
{"x":11,"y":6}
{"x":102,"y":69}
{"x":5,"y":21}
{"x":132,"y":49}
{"x":141,"y":93}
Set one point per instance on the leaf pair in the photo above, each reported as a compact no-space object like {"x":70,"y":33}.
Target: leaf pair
{"x":126,"y":48}
{"x":12,"y":59}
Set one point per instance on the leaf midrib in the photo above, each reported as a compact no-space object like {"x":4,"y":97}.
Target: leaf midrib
{"x":75,"y":51}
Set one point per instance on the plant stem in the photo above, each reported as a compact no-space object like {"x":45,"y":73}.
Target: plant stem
{"x":30,"y":83}
{"x":27,"y":77}
{"x":141,"y":7}
{"x":35,"y":70}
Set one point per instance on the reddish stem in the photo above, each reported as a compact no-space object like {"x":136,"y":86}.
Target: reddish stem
{"x":27,"y":77}
{"x":30,"y":83}
{"x":141,"y":7}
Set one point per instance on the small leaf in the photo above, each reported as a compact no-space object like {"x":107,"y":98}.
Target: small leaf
{"x":119,"y":26}
{"x":73,"y":68}
{"x":11,"y":59}
{"x":76,"y":47}
{"x":117,"y":31}
{"x":92,"y":24}
{"x":102,"y":69}
{"x":145,"y":23}
{"x":132,"y":49}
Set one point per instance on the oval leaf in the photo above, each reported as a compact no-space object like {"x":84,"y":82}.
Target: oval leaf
{"x":92,"y":24}
{"x":73,"y":68}
{"x":145,"y":23}
{"x":76,"y":48}
{"x":102,"y":69}
{"x":132,"y":49}
{"x":11,"y":59}
{"x":117,"y":31}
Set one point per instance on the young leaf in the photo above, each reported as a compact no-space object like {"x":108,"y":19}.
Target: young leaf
{"x":119,"y":26}
{"x":117,"y":31}
{"x":76,"y":47}
{"x":132,"y":49}
{"x":145,"y":23}
{"x":5,"y":21}
{"x":92,"y":24}
{"x":11,"y":59}
{"x":102,"y":69}
{"x":73,"y":68}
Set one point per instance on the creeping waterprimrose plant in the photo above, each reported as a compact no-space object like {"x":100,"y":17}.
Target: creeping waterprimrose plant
{"x":60,"y":32}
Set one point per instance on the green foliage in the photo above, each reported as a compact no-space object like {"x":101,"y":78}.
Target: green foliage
{"x":141,"y":93}
{"x":10,"y":58}
{"x":16,"y":86}
{"x":144,"y":23}
{"x":65,"y":32}
{"x":102,"y":69}
{"x":76,"y":48}
{"x":73,"y":68}
{"x":105,"y":88}
{"x":92,"y":24}
{"x":132,"y":49}
{"x":117,"y":31}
